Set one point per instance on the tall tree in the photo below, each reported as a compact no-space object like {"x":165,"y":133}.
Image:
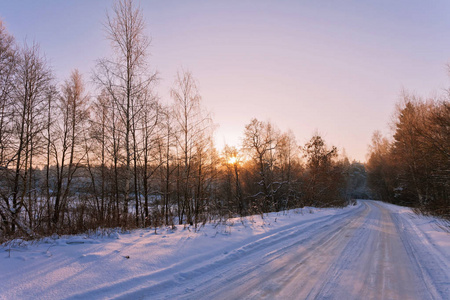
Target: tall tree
{"x":31,"y":86}
{"x":8,"y":72}
{"x":289,"y":167}
{"x":324,"y":179}
{"x":234,"y":193}
{"x":167,"y":144}
{"x":125,"y":77}
{"x":260,"y":141}
{"x":68,"y":139}
{"x":150,"y":160}
{"x":194,"y":130}
{"x":99,"y":133}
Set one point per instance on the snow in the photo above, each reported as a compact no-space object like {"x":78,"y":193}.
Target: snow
{"x":371,"y":250}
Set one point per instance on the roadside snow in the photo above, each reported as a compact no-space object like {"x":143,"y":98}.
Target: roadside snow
{"x":436,"y":231}
{"x":371,"y":250}
{"x":97,"y":266}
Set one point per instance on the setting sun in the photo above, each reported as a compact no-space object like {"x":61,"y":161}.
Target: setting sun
{"x":232,"y":160}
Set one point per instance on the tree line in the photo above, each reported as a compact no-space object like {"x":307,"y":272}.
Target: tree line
{"x":413,"y":166}
{"x":70,"y":161}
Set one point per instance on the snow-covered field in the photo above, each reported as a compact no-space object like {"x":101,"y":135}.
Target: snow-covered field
{"x":368,"y":251}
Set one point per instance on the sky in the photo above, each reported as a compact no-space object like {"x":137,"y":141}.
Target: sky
{"x":333,"y":67}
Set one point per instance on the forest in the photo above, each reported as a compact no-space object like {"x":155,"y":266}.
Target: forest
{"x":73,"y":160}
{"x":412,"y":168}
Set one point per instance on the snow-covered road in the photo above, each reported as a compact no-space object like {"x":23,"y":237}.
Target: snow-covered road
{"x":370,"y":251}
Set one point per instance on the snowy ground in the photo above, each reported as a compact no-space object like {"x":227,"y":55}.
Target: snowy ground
{"x":368,"y":251}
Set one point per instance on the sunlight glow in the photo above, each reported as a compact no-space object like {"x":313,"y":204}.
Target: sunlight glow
{"x":232,"y":160}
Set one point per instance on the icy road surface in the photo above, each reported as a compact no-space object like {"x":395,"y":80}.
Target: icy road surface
{"x":369,"y":251}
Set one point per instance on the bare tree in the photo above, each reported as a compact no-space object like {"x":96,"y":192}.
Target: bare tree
{"x":260,"y":141}
{"x":194,"y":130}
{"x":167,"y":158}
{"x":8,"y":65}
{"x":125,"y":77}
{"x":233,"y":160}
{"x":289,"y":167}
{"x":99,"y":134}
{"x":67,"y":142}
{"x":32,"y":83}
{"x":8,"y":61}
{"x":150,"y":161}
{"x":51,"y":96}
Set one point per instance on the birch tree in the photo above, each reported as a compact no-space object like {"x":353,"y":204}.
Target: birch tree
{"x":68,"y":138}
{"x":193,"y":132}
{"x":126,"y":78}
{"x":30,"y":89}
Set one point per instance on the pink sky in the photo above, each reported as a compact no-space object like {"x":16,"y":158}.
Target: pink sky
{"x":337,"y":67}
